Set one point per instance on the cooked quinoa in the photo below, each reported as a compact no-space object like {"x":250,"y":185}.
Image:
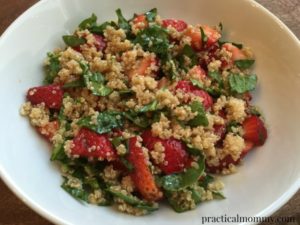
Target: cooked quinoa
{"x":147,"y":109}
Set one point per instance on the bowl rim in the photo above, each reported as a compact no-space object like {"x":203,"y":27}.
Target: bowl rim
{"x":4,"y":175}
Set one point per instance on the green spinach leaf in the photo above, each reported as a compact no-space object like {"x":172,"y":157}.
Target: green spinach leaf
{"x":151,"y":15}
{"x":150,"y":107}
{"x":88,"y":23}
{"x":154,"y":39}
{"x":73,"y":41}
{"x":105,"y":122}
{"x":122,"y":22}
{"x":189,"y":52}
{"x":241,"y":84}
{"x":200,"y":119}
{"x":52,"y":68}
{"x":182,"y":180}
{"x":244,"y":63}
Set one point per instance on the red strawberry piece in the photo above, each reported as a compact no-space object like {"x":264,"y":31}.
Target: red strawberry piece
{"x":141,"y":175}
{"x":187,"y":86}
{"x":49,"y":129}
{"x":176,"y":156}
{"x":254,"y":130}
{"x":100,"y":43}
{"x":179,"y":25}
{"x":212,"y":36}
{"x":87,"y":143}
{"x":51,"y":95}
{"x":196,"y":40}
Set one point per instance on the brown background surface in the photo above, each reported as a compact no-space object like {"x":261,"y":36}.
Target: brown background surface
{"x":15,"y":212}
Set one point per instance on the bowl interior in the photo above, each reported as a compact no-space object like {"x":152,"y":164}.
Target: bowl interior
{"x":270,"y":174}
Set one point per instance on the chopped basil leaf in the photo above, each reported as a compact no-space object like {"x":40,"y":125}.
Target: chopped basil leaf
{"x":52,"y":68}
{"x":149,"y":108}
{"x":73,"y":41}
{"x":197,"y":83}
{"x":151,"y":15}
{"x":203,"y":36}
{"x":88,"y":23}
{"x":218,"y":195}
{"x":132,"y":200}
{"x":139,"y":120}
{"x":187,"y":51}
{"x":193,"y":151}
{"x":127,"y":164}
{"x":95,"y":81}
{"x":200,"y":119}
{"x":215,"y":75}
{"x":77,"y":193}
{"x":204,"y":181}
{"x":182,"y":180}
{"x":75,"y":83}
{"x":122,"y":22}
{"x":254,"y":111}
{"x":244,"y":63}
{"x":169,"y":68}
{"x":105,"y":122}
{"x":241,"y":84}
{"x":154,"y":39}
{"x":116,"y":141}
{"x":58,"y":152}
{"x":174,"y":199}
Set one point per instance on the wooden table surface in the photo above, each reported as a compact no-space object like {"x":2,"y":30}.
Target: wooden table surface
{"x":15,"y":212}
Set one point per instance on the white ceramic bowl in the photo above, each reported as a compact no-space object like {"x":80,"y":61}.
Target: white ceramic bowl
{"x":270,"y":175}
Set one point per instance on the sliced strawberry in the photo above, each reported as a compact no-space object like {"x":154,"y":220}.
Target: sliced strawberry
{"x":254,"y":130}
{"x":88,"y":144}
{"x":199,"y":71}
{"x":187,"y":86}
{"x":248,"y":146}
{"x":141,"y":175}
{"x":176,"y":156}
{"x":49,"y":130}
{"x":142,"y":66}
{"x":195,"y":35}
{"x":237,"y":54}
{"x":100,"y":43}
{"x":212,"y":36}
{"x":179,"y":25}
{"x":51,"y":95}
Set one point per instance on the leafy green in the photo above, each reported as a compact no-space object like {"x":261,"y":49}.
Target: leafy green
{"x":182,"y":180}
{"x":200,"y":119}
{"x":170,"y":67}
{"x":215,"y":75}
{"x":254,"y":111}
{"x":52,"y":68}
{"x":152,"y":106}
{"x":203,"y":36}
{"x":88,"y":23}
{"x":241,"y":84}
{"x":105,"y":122}
{"x":73,"y":41}
{"x":99,"y":29}
{"x":189,"y":52}
{"x":132,"y":200}
{"x":95,"y":82}
{"x":175,"y":203}
{"x":244,"y":63}
{"x":77,"y":193}
{"x":204,"y":181}
{"x":218,"y":195}
{"x":139,"y":120}
{"x":75,"y":83}
{"x":230,"y":125}
{"x":154,"y":39}
{"x":193,"y":151}
{"x":151,"y":15}
{"x":58,"y":152}
{"x":122,"y":22}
